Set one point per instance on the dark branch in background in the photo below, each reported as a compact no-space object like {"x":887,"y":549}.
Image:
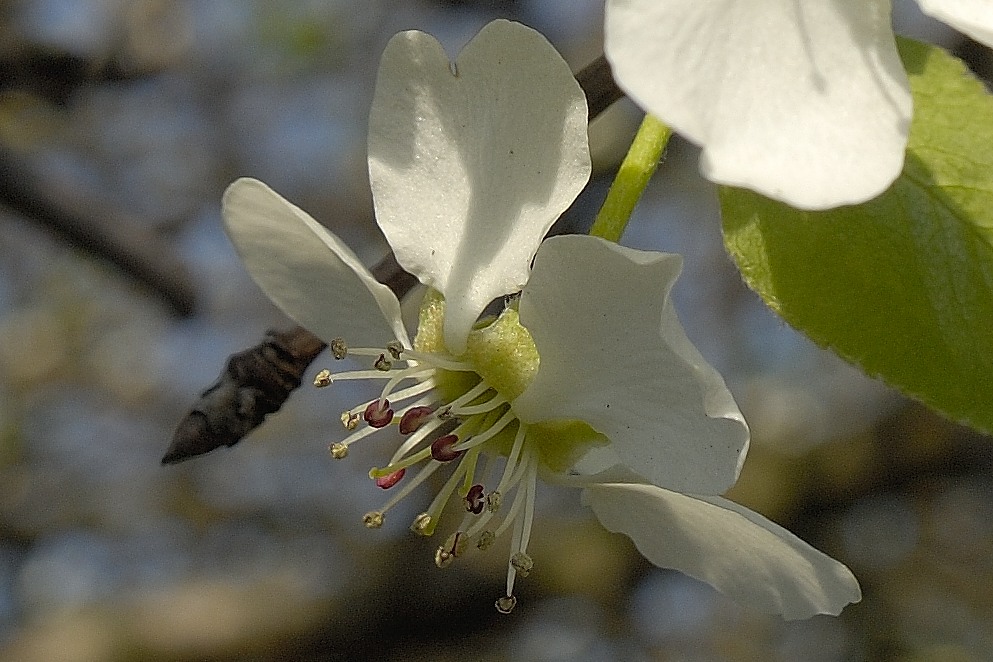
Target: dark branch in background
{"x":52,"y":74}
{"x":98,"y":229}
{"x":79,"y":218}
{"x":256,"y":382}
{"x":599,"y":86}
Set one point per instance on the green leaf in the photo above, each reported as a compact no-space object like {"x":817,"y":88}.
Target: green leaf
{"x":902,"y":285}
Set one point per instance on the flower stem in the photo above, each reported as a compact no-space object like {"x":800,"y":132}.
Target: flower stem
{"x":637,"y":168}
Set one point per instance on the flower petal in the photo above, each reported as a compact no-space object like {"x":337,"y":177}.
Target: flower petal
{"x":806,"y":102}
{"x":305,"y":270}
{"x":740,"y":553}
{"x":470,"y":168}
{"x":973,"y":17}
{"x":613,"y":354}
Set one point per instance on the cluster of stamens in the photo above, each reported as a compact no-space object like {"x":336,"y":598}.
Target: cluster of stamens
{"x":437,"y":434}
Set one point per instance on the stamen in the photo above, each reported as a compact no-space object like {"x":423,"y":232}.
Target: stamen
{"x":338,"y":451}
{"x":386,"y":482}
{"x":506,"y":604}
{"x":515,"y":451}
{"x":445,"y":554}
{"x":413,"y":440}
{"x":438,"y":361}
{"x":467,"y":397}
{"x":361,"y":433}
{"x":411,"y":391}
{"x":395,"y":348}
{"x":484,"y":407}
{"x":441,"y":498}
{"x":339,"y":349}
{"x":442,"y":448}
{"x":406,"y":373}
{"x":383,"y":364}
{"x":409,"y":487}
{"x":486,"y":540}
{"x":496,"y":498}
{"x":350,"y":420}
{"x":409,"y":461}
{"x":522,"y":529}
{"x":411,"y":372}
{"x":522,"y":563}
{"x":373,"y":520}
{"x":474,"y":500}
{"x":413,"y":418}
{"x":378,"y":414}
{"x":420,"y":524}
{"x":322,"y":379}
{"x":493,"y":430}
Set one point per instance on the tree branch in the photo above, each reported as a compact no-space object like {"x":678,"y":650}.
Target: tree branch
{"x":257,"y":381}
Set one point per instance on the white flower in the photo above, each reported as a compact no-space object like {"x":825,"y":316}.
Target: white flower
{"x":806,"y":102}
{"x":586,"y":379}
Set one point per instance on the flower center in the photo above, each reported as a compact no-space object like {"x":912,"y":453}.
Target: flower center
{"x":453,"y":411}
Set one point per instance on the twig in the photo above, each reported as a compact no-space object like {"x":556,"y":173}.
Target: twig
{"x":256,"y":382}
{"x":98,"y":229}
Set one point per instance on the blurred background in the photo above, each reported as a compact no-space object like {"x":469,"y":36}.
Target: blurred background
{"x":121,"y":122}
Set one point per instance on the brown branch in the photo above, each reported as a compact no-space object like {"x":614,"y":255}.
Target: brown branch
{"x":101,"y":230}
{"x":53,"y":74}
{"x":74,"y":216}
{"x":256,"y":382}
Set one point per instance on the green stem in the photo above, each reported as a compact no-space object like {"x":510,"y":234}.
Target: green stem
{"x":637,"y":168}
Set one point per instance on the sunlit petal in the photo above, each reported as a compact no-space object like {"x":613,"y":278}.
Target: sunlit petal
{"x":973,"y":17}
{"x":740,"y":553}
{"x":470,"y":165}
{"x":806,"y":102}
{"x":613,"y":355}
{"x":305,"y":270}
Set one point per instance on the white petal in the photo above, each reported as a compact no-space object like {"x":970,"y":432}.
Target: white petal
{"x":973,"y":17}
{"x":307,"y":271}
{"x":469,"y":170}
{"x":613,"y":355}
{"x":806,"y":102}
{"x":740,"y":553}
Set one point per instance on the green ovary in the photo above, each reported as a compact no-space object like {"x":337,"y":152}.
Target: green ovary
{"x":503,"y":353}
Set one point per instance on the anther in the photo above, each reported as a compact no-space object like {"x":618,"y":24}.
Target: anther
{"x":395,"y":348}
{"x":474,"y":500}
{"x":443,"y":558}
{"x":373,"y":520}
{"x":350,"y":420}
{"x":386,"y":482}
{"x":338,"y":451}
{"x":442,"y":448}
{"x":506,"y":604}
{"x":378,"y":414}
{"x":413,"y":418}
{"x":421,"y":524}
{"x":339,"y":349}
{"x":493,"y":501}
{"x":383,"y":364}
{"x":486,"y":540}
{"x":445,"y":554}
{"x":322,"y":379}
{"x":522,"y":563}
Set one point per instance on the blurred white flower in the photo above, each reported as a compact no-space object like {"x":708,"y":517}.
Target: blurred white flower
{"x":805,"y":102}
{"x":586,"y":379}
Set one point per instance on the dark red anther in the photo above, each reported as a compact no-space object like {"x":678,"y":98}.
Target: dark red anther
{"x":386,"y":482}
{"x":474,"y":500}
{"x":414,"y":418}
{"x":442,"y":448}
{"x":378,"y":415}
